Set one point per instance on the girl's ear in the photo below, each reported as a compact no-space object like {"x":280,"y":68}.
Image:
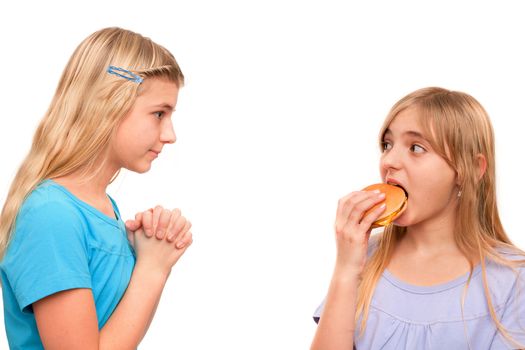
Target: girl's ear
{"x":482,"y":165}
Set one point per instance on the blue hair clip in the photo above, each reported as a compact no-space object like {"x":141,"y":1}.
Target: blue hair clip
{"x":130,"y":75}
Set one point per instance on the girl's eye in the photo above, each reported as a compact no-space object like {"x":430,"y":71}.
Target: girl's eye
{"x":159,"y":114}
{"x":385,"y":146}
{"x":417,"y":149}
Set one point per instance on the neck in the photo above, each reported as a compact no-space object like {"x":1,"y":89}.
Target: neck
{"x":432,"y":237}
{"x":88,"y":186}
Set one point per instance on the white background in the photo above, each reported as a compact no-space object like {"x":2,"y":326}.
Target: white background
{"x":278,"y":119}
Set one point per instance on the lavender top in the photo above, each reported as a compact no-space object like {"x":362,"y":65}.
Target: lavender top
{"x":404,"y":316}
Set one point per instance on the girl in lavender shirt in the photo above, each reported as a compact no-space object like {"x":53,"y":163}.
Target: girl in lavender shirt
{"x":445,"y":275}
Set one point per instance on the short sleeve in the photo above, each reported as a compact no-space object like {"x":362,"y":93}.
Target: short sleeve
{"x":48,"y":253}
{"x":513,"y":317}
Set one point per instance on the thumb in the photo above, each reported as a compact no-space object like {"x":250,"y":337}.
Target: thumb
{"x":133,"y":225}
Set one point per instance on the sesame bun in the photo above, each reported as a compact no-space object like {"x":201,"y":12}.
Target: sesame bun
{"x":396,"y":201}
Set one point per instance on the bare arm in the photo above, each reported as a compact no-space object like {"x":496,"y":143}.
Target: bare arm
{"x":68,"y":320}
{"x":337,"y":323}
{"x":128,"y":325}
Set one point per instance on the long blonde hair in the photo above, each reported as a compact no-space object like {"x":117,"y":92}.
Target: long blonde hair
{"x":87,"y":107}
{"x":459,"y":129}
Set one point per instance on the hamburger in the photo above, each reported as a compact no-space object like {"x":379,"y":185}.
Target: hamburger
{"x":396,"y":199}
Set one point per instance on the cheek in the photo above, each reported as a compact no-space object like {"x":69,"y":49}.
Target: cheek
{"x":382,"y":170}
{"x":126,"y":145}
{"x":135,"y":136}
{"x":435,"y":184}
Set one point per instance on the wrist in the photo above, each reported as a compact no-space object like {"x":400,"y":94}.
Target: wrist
{"x":151,"y":270}
{"x":343,"y":273}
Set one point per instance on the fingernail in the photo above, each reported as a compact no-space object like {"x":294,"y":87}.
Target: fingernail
{"x":381,"y":195}
{"x":376,"y":191}
{"x":180,"y":245}
{"x":160,"y":233}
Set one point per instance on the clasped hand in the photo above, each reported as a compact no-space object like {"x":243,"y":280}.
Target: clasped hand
{"x":159,"y":236}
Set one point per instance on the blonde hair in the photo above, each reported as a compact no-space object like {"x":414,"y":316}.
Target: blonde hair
{"x":459,"y":129}
{"x":87,"y":107}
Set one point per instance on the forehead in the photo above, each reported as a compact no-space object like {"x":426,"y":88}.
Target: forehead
{"x":408,"y":121}
{"x":158,"y":91}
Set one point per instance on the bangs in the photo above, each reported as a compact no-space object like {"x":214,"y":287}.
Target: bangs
{"x":436,"y":129}
{"x":141,"y":56}
{"x":438,"y":126}
{"x":169,"y":72}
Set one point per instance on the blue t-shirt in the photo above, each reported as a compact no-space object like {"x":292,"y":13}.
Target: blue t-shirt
{"x":61,"y":243}
{"x":405,"y":316}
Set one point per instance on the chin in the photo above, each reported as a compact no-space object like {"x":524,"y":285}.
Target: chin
{"x":402,"y":221}
{"x":140,"y":169}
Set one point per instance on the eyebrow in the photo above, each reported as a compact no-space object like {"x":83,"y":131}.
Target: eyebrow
{"x":408,"y":133}
{"x":165,"y":106}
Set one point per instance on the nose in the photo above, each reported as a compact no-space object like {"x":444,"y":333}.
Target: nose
{"x":391,"y":159}
{"x":167,"y":133}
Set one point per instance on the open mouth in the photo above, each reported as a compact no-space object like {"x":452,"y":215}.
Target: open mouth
{"x":403,"y":206}
{"x":401,"y":187}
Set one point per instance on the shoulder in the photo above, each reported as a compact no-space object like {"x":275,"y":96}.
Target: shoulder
{"x":48,"y":200}
{"x":48,"y":211}
{"x":505,"y":273}
{"x":508,"y":259}
{"x":510,"y":252}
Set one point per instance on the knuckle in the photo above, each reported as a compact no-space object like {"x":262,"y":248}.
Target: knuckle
{"x":362,"y":206}
{"x":344,"y":200}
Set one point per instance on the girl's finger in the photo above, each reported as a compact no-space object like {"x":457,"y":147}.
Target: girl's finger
{"x":133,"y":225}
{"x":348,"y":203}
{"x":371,"y":217}
{"x":177,"y":227}
{"x":175,"y":215}
{"x":147,"y":223}
{"x":156,"y":217}
{"x":365,"y":204}
{"x":164,"y":221}
{"x":186,"y":240}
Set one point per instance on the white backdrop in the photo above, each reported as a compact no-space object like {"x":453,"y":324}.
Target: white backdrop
{"x":278,"y":119}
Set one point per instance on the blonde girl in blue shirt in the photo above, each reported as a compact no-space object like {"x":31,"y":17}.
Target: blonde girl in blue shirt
{"x":72,"y":276}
